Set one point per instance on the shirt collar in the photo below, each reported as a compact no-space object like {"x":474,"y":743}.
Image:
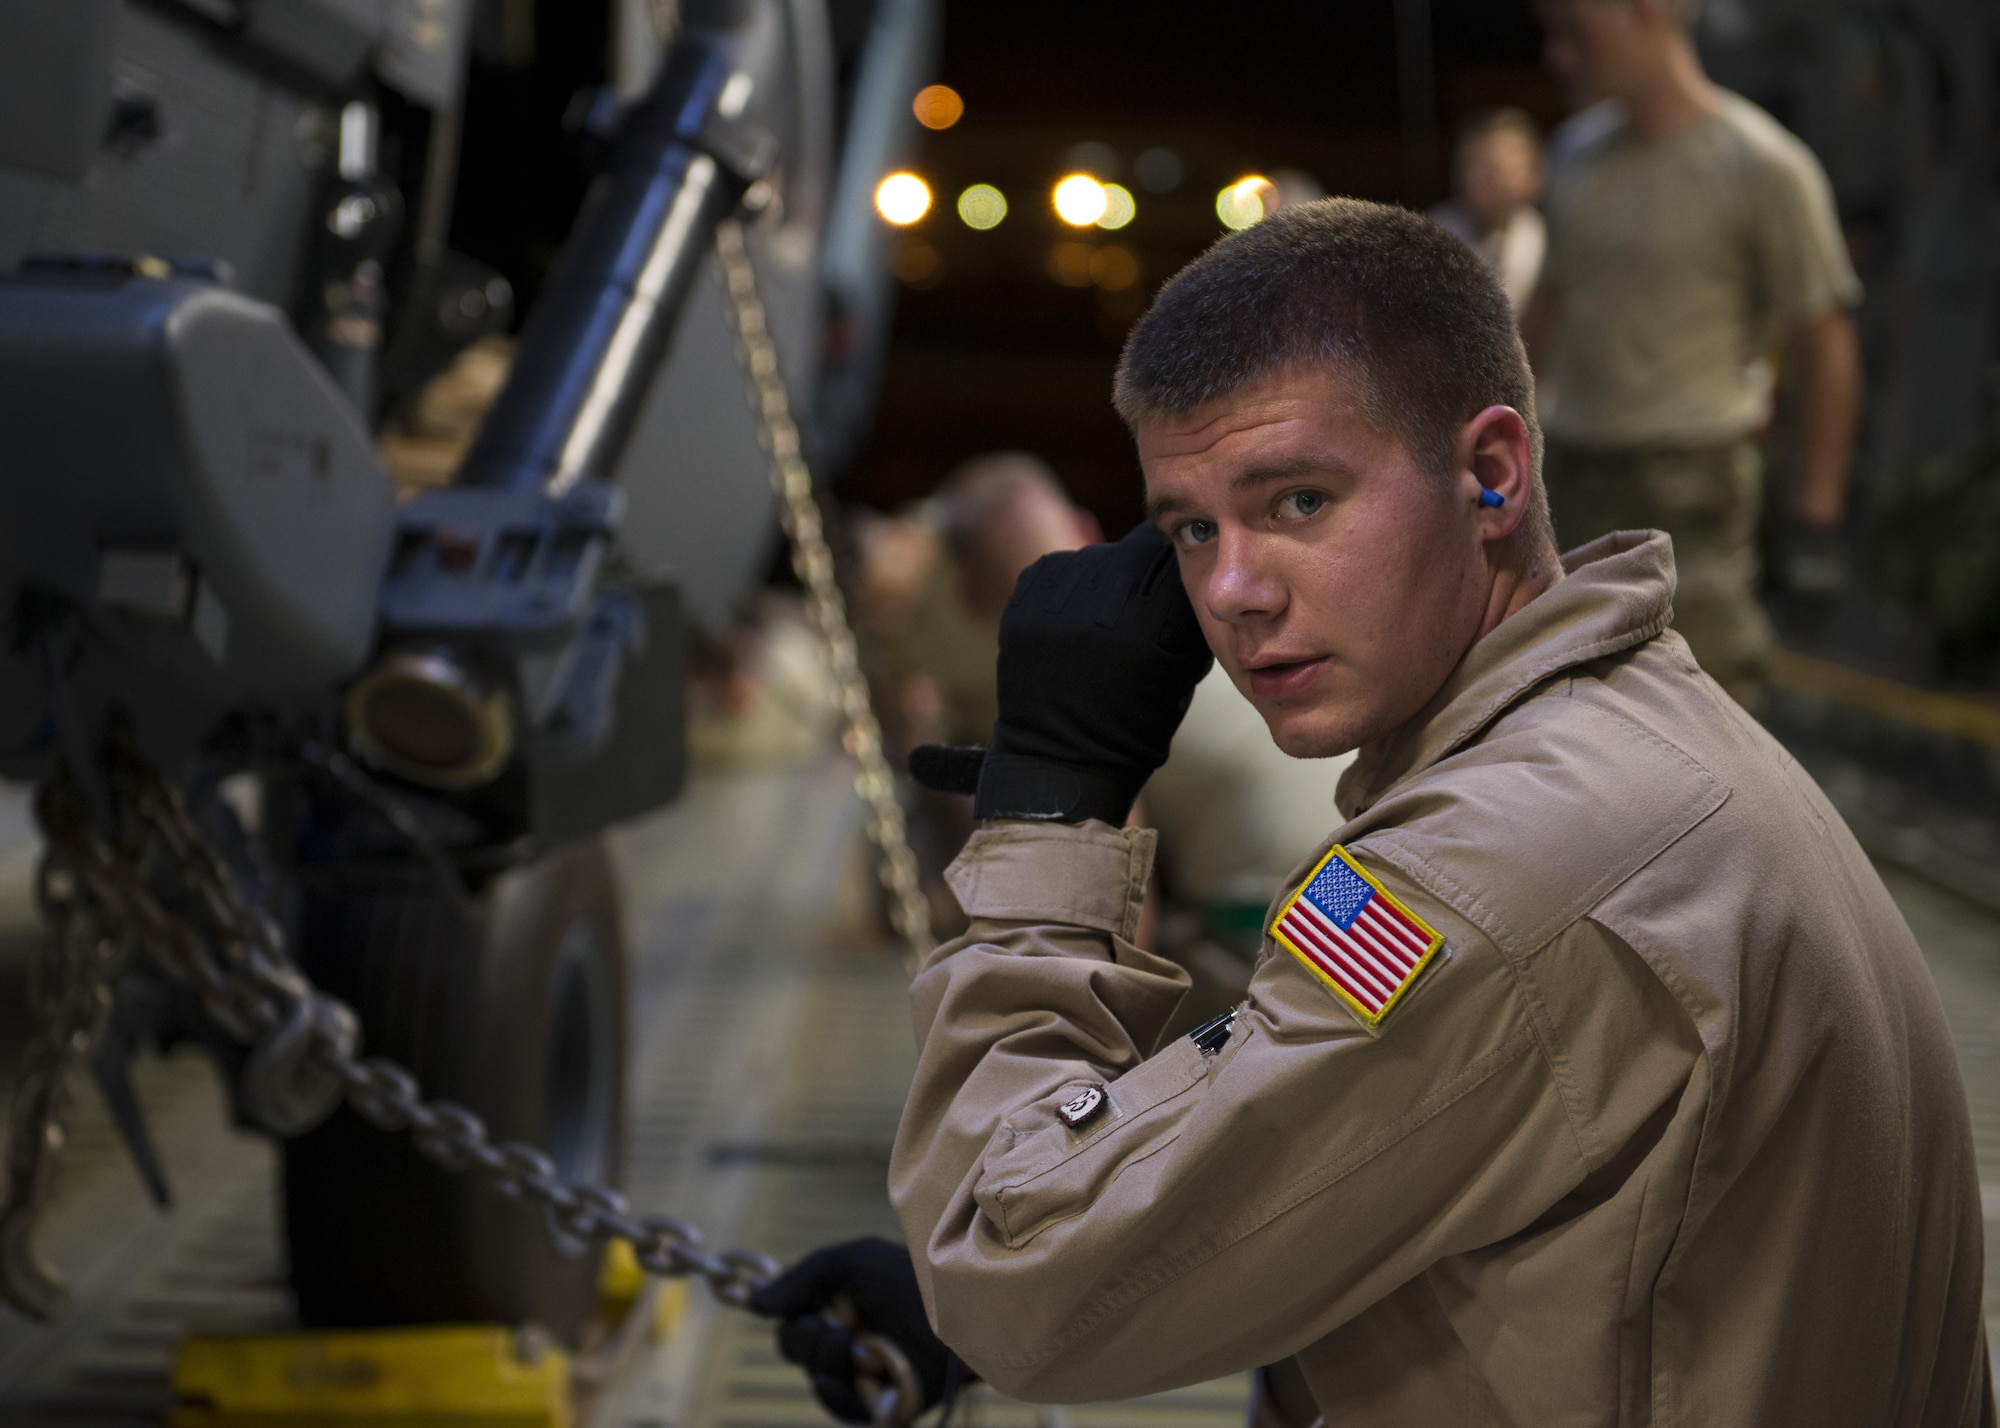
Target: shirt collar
{"x":1617,"y":592}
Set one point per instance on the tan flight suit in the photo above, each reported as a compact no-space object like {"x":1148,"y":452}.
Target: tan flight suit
{"x":1675,"y":1134}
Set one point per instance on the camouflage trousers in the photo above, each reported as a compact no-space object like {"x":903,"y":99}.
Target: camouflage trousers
{"x":1708,"y":500}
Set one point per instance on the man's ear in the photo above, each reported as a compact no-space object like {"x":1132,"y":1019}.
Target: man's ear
{"x":1494,"y":470}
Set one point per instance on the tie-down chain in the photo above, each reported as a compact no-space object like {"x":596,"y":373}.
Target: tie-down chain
{"x":99,"y":906}
{"x":305,"y":1056}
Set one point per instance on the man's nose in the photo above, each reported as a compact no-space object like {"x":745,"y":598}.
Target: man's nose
{"x":1242,"y":586}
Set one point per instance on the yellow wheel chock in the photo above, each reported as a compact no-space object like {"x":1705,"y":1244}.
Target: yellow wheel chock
{"x":431,"y":1376}
{"x":622,"y":1286}
{"x":476,"y":1376}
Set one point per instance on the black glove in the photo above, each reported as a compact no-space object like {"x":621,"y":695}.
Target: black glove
{"x":876,"y":1287}
{"x":1099,"y":655}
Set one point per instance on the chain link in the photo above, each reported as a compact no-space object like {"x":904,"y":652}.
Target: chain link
{"x":812,"y":561}
{"x":233,"y":956}
{"x":69,"y":992}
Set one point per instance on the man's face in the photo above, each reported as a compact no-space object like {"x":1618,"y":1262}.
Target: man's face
{"x":1600,"y":49}
{"x":1336,"y":581}
{"x":1500,"y":173}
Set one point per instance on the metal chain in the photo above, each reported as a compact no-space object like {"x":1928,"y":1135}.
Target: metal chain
{"x":99,"y":900}
{"x":69,"y":991}
{"x":304,"y":1057}
{"x":812,"y":560}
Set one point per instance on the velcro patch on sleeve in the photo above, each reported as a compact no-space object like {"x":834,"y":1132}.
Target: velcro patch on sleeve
{"x":1353,"y":934}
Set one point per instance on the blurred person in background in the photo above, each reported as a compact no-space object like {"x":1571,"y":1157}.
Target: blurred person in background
{"x":1689,"y":235}
{"x":932,"y":580}
{"x":1498,"y":176}
{"x":929,"y":586}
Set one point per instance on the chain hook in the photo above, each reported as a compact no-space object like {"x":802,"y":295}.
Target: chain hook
{"x":289,"y":1083}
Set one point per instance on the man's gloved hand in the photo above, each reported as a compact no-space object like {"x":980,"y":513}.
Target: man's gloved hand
{"x":833,"y":1294}
{"x":1099,"y":656}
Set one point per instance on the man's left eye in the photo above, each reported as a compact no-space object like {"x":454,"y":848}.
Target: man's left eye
{"x":1302,"y":503}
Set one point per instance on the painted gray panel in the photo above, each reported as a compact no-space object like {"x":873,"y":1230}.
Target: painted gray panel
{"x":55,"y":83}
{"x":328,"y":38}
{"x":697,"y":481}
{"x":422,"y":49}
{"x":230,"y":176}
{"x":288,"y":514}
{"x":699,"y":505}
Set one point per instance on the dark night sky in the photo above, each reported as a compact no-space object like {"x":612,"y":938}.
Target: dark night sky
{"x":990,"y":351}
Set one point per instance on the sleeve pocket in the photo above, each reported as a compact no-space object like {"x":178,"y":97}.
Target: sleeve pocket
{"x":1038,"y":1171}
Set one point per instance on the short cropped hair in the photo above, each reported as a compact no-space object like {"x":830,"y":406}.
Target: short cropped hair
{"x":1406,"y":312}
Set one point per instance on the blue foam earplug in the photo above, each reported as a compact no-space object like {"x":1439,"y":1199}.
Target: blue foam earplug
{"x":1491,"y":498}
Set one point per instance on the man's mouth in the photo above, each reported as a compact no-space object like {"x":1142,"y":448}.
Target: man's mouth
{"x":1283,"y":678}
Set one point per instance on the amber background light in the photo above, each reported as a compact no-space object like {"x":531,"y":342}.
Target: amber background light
{"x":938,"y":106}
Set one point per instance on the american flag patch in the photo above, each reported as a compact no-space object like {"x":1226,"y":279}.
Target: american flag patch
{"x":1353,"y":935}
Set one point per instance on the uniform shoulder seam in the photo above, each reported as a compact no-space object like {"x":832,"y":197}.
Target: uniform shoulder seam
{"x":1447,"y":890}
{"x":1393,"y":844}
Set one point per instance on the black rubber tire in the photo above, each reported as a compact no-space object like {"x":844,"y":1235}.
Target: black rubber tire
{"x":517,"y":1012}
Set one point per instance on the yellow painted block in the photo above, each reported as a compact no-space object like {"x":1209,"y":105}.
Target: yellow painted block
{"x":455,"y":1377}
{"x":672,"y":1304}
{"x":620,"y":1283}
{"x":619,"y":1280}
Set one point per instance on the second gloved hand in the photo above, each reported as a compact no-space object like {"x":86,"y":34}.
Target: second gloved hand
{"x":1100,"y":652}
{"x":866,"y":1286}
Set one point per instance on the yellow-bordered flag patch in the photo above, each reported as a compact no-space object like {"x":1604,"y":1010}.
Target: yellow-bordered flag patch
{"x":1354,"y":935}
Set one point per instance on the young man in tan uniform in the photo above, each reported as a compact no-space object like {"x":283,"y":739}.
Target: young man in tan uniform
{"x":1589,"y":1075}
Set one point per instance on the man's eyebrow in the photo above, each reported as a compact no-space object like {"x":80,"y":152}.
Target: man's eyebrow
{"x":1266,"y":474}
{"x":1290,"y":470}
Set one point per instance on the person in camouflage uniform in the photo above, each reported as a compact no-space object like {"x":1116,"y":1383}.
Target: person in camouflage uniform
{"x":1689,"y":235}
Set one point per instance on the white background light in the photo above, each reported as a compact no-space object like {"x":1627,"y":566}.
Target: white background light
{"x":1246,"y":201}
{"x":902,"y":199}
{"x":1118,"y":207}
{"x":1080,"y":200}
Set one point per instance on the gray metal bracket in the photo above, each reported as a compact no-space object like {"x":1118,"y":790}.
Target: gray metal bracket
{"x":513,"y":568}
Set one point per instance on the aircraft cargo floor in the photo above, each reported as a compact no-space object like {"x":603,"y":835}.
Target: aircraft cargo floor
{"x":770,"y":1060}
{"x":771,"y":1056}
